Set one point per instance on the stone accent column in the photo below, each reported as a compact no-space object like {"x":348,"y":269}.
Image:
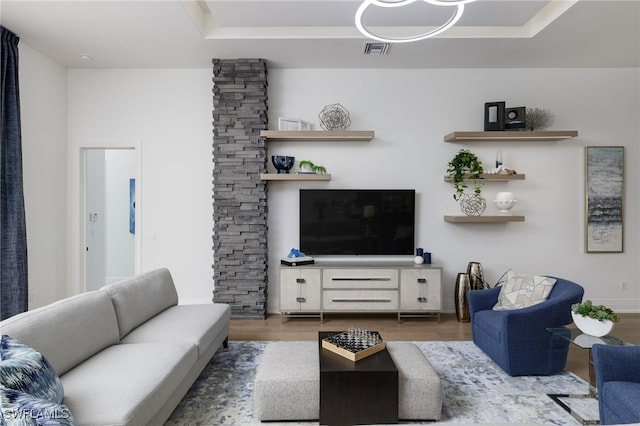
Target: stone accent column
{"x":239,"y":196}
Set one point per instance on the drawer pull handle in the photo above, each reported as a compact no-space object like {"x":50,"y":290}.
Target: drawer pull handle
{"x":422,"y":299}
{"x":300,"y":280}
{"x":301,"y":299}
{"x":422,"y":280}
{"x":361,"y":300}
{"x":360,"y":279}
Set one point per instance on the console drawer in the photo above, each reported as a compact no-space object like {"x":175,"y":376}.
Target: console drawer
{"x":360,"y":278}
{"x":360,"y":300}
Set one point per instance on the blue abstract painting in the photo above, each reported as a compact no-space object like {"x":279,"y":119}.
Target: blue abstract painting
{"x":132,"y":206}
{"x":605,"y":199}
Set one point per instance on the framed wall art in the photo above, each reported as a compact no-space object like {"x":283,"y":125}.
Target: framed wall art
{"x":604,"y":193}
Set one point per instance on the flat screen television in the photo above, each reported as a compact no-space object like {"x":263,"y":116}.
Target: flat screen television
{"x":357,"y":221}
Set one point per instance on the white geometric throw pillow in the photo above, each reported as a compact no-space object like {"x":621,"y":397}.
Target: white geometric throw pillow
{"x":523,"y":290}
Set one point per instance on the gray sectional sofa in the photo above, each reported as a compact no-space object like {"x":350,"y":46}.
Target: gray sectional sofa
{"x":127,"y":353}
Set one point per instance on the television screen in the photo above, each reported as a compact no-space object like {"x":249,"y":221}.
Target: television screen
{"x":357,"y":221}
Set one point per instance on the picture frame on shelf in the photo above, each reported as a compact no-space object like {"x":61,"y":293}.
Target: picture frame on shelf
{"x":604,"y":199}
{"x":285,"y":123}
{"x":515,"y":118}
{"x":494,"y":116}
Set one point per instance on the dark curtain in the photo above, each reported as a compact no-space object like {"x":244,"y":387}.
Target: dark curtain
{"x":13,"y":234}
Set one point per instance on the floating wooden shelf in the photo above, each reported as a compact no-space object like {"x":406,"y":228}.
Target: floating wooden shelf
{"x":294,"y":176}
{"x":318,"y":135}
{"x":483,"y":219}
{"x":496,"y":177}
{"x":515,"y":136}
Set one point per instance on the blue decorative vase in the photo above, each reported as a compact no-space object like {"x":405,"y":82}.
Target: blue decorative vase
{"x":283,"y":163}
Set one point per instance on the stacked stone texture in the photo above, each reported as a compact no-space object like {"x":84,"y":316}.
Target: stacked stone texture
{"x":239,"y":196}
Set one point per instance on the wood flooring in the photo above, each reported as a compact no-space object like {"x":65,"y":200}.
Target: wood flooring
{"x":447,"y":328}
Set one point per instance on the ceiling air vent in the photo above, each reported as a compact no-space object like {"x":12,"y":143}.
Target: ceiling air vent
{"x":376,"y":49}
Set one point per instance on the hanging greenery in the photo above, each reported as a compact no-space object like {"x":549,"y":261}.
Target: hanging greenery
{"x":465,"y":165}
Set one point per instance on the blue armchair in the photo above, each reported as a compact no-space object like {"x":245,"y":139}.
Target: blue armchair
{"x":518,"y":340}
{"x":618,"y":380}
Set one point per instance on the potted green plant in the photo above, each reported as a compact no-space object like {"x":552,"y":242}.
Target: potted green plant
{"x":307,"y":166}
{"x":594,"y":320}
{"x":465,"y":166}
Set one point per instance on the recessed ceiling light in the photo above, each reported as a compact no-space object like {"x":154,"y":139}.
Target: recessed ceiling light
{"x":86,"y":57}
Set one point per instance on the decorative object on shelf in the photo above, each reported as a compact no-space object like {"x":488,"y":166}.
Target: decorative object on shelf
{"x":456,"y":15}
{"x":476,"y":275}
{"x":473,"y":204}
{"x":306,"y":166}
{"x":334,"y":117}
{"x":419,"y":251}
{"x":501,"y":171}
{"x":494,"y":116}
{"x":293,"y":124}
{"x":505,"y":201}
{"x":539,"y":119}
{"x":462,"y":297}
{"x":594,"y":320}
{"x":604,"y":183}
{"x":514,"y":118}
{"x":418,"y":260}
{"x":465,"y":165}
{"x":427,"y":258}
{"x":283,"y":163}
{"x":499,"y":159}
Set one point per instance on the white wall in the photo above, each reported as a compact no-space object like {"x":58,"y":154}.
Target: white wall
{"x":43,"y":104}
{"x":411,"y":111}
{"x":167,"y":115}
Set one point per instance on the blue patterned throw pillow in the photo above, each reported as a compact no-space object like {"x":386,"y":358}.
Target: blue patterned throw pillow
{"x":26,"y":370}
{"x":21,"y":409}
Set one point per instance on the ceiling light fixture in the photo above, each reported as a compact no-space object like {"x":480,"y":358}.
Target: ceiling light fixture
{"x":459,"y":5}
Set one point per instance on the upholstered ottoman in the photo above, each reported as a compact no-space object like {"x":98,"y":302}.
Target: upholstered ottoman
{"x":419,"y":386}
{"x":287,"y":383}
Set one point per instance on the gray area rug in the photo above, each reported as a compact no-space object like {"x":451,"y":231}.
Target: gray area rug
{"x":475,"y":390}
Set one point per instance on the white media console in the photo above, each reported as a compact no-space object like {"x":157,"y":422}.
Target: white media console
{"x":342,"y":287}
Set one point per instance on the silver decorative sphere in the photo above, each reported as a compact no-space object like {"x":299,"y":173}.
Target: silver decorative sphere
{"x":473,"y":204}
{"x":334,"y":117}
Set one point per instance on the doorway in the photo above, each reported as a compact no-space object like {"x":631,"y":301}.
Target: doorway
{"x":109,"y":215}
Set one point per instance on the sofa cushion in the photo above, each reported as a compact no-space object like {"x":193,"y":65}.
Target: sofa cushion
{"x":127,"y":383}
{"x":85,"y":324}
{"x":140,"y":298}
{"x":24,"y":369}
{"x":196,"y":324}
{"x":22,"y":409}
{"x":523,"y":290}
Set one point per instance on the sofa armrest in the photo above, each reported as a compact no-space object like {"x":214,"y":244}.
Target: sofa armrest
{"x":616,"y":363}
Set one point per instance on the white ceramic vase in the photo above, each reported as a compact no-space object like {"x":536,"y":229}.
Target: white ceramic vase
{"x":505,"y":201}
{"x":592,"y":327}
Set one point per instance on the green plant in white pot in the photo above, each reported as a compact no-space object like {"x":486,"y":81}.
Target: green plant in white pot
{"x":594,"y":320}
